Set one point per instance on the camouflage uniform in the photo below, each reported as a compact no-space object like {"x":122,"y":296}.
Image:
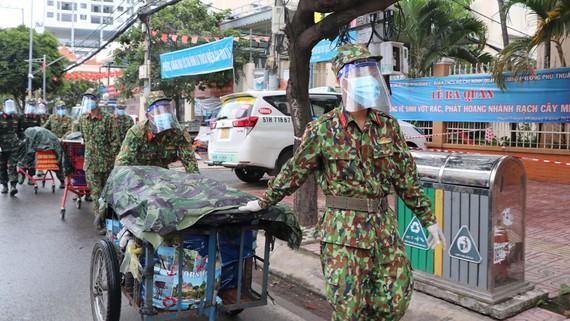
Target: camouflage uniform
{"x":58,"y":125}
{"x":31,"y":121}
{"x":121,"y":125}
{"x":367,"y":273}
{"x":96,"y":132}
{"x":10,"y":127}
{"x":142,"y":147}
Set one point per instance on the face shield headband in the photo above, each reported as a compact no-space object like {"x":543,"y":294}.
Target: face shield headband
{"x":30,"y":108}
{"x":161,"y":116}
{"x":10,"y":107}
{"x":41,"y":109}
{"x":88,"y":103}
{"x":363,"y":87}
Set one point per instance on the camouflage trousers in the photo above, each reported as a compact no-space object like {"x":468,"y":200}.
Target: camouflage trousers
{"x":8,"y":171}
{"x":367,"y":285}
{"x":96,"y":181}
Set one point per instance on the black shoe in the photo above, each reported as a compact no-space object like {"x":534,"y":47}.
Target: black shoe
{"x":88,"y":199}
{"x":4,"y":189}
{"x":21,"y":178}
{"x":13,"y":189}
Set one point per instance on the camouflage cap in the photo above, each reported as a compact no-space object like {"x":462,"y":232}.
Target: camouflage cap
{"x":349,"y":53}
{"x":91,"y":92}
{"x":155,"y":96}
{"x":121,"y":103}
{"x":59,"y":103}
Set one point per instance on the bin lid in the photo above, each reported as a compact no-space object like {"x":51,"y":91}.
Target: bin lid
{"x":457,"y":169}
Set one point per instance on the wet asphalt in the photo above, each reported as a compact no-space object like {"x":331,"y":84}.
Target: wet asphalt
{"x":45,"y":262}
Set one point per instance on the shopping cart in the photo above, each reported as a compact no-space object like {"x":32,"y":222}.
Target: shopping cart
{"x":75,"y":181}
{"x":44,"y":161}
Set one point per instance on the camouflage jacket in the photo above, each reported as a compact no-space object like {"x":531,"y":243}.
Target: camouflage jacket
{"x":97,"y":134}
{"x":357,"y":163}
{"x":10,"y":129}
{"x":142,"y":148}
{"x":121,"y":125}
{"x":58,"y":125}
{"x":31,"y":121}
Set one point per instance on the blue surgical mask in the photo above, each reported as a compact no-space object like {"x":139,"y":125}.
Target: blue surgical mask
{"x":365,"y":91}
{"x":120,"y":112}
{"x":89,"y":105}
{"x":60,"y":112}
{"x":163,"y":122}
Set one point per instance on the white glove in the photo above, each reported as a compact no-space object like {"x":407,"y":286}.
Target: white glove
{"x":252,"y":206}
{"x":436,"y":237}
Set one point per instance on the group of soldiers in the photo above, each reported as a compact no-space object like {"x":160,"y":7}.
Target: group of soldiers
{"x":14,"y":124}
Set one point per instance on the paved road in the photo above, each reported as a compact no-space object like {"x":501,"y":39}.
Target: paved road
{"x":44,"y":262}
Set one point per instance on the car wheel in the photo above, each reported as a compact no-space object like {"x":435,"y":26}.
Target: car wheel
{"x":249,"y":175}
{"x":285,"y":155}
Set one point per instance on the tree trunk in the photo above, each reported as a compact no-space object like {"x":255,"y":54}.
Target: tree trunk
{"x":547,"y":53}
{"x":503,"y":17}
{"x":558,"y":46}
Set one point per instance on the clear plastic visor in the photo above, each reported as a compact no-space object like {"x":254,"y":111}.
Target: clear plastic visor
{"x":162,"y":116}
{"x":41,"y":109}
{"x":9,"y":106}
{"x":363,"y":87}
{"x":30,"y":108}
{"x":88,"y":103}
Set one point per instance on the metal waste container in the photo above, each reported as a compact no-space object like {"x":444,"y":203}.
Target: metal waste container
{"x":479,"y":200}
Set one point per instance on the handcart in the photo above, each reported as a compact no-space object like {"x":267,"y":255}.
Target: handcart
{"x":44,"y":161}
{"x":165,"y":230}
{"x":75,"y":181}
{"x":107,"y":283}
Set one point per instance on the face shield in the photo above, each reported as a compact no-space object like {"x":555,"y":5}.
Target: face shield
{"x":161,"y":116}
{"x":30,"y":108}
{"x":363,"y":87}
{"x":88,"y":103}
{"x":120,"y":111}
{"x":60,"y":110}
{"x":10,"y":107}
{"x":41,"y":109}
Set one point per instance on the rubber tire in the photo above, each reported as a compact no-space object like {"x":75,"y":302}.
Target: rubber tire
{"x":43,"y":184}
{"x":63,"y":214}
{"x":35,"y":189}
{"x":53,"y":188}
{"x":113,"y":280}
{"x":233,"y":313}
{"x":249,"y":175}
{"x":283,"y":158}
{"x":78,"y":204}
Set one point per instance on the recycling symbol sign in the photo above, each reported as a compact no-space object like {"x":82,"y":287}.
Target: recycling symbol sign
{"x":464,"y":247}
{"x":415,"y":236}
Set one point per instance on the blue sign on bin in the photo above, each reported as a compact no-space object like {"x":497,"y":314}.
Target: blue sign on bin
{"x":415,"y":236}
{"x":211,"y":57}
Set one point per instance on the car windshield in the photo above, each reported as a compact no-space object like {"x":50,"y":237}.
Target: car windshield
{"x":234,"y":108}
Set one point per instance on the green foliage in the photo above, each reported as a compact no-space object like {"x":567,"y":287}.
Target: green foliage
{"x":188,"y":17}
{"x":434,"y":29}
{"x":14,"y":46}
{"x":72,"y":90}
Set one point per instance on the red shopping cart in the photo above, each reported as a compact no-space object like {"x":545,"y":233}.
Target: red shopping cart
{"x":75,"y":181}
{"x":44,"y":161}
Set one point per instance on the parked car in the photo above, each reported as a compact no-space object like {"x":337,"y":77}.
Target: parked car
{"x":253,"y":132}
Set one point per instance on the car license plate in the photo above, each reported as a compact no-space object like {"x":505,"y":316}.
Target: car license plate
{"x":225,"y":133}
{"x":220,"y":158}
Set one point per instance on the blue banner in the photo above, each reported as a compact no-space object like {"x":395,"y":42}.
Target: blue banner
{"x":325,"y":50}
{"x":540,"y":98}
{"x":211,"y":57}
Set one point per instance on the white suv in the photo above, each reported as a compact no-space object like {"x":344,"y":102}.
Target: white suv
{"x":253,"y":132}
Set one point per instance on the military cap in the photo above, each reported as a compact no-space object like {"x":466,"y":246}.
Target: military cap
{"x":59,"y":102}
{"x":155,"y":96}
{"x":121,"y":103}
{"x":349,"y":53}
{"x":91,"y":92}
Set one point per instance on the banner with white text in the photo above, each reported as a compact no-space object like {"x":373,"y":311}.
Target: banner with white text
{"x":540,"y":98}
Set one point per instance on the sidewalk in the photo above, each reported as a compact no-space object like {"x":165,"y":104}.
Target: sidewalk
{"x":547,"y":258}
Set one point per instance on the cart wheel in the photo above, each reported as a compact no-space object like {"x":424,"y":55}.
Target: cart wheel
{"x":233,"y":313}
{"x":63,"y":214}
{"x":78,"y":203}
{"x":35,"y":189}
{"x":43,"y":184}
{"x":105,"y":287}
{"x":53,"y":188}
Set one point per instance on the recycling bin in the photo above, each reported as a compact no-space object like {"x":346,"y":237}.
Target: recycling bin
{"x":479,"y":201}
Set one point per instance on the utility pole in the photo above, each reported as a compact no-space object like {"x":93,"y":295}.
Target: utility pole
{"x":73,"y":26}
{"x":44,"y":67}
{"x":30,"y":75}
{"x":147,"y":79}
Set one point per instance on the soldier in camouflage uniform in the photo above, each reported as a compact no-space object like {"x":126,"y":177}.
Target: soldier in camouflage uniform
{"x":10,"y":127}
{"x":159,"y":140}
{"x":59,"y":124}
{"x":34,"y":113}
{"x":357,"y":154}
{"x":31,"y":116}
{"x":95,"y":128}
{"x":121,"y":124}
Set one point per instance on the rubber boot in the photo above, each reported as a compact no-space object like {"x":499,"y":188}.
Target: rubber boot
{"x":21,"y":178}
{"x":4,"y":189}
{"x":13,"y":189}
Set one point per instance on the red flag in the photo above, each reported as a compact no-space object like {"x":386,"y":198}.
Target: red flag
{"x":257,"y":39}
{"x":67,"y":76}
{"x":153,"y":33}
{"x":207,"y":39}
{"x":236,"y":39}
{"x":194,"y":39}
{"x":266,"y":39}
{"x":164,"y":37}
{"x":184,"y":39}
{"x":173,"y":37}
{"x":216,"y":38}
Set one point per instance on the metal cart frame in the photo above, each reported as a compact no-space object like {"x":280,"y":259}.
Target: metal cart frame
{"x":49,"y":169}
{"x":70,"y":148}
{"x":207,"y":306}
